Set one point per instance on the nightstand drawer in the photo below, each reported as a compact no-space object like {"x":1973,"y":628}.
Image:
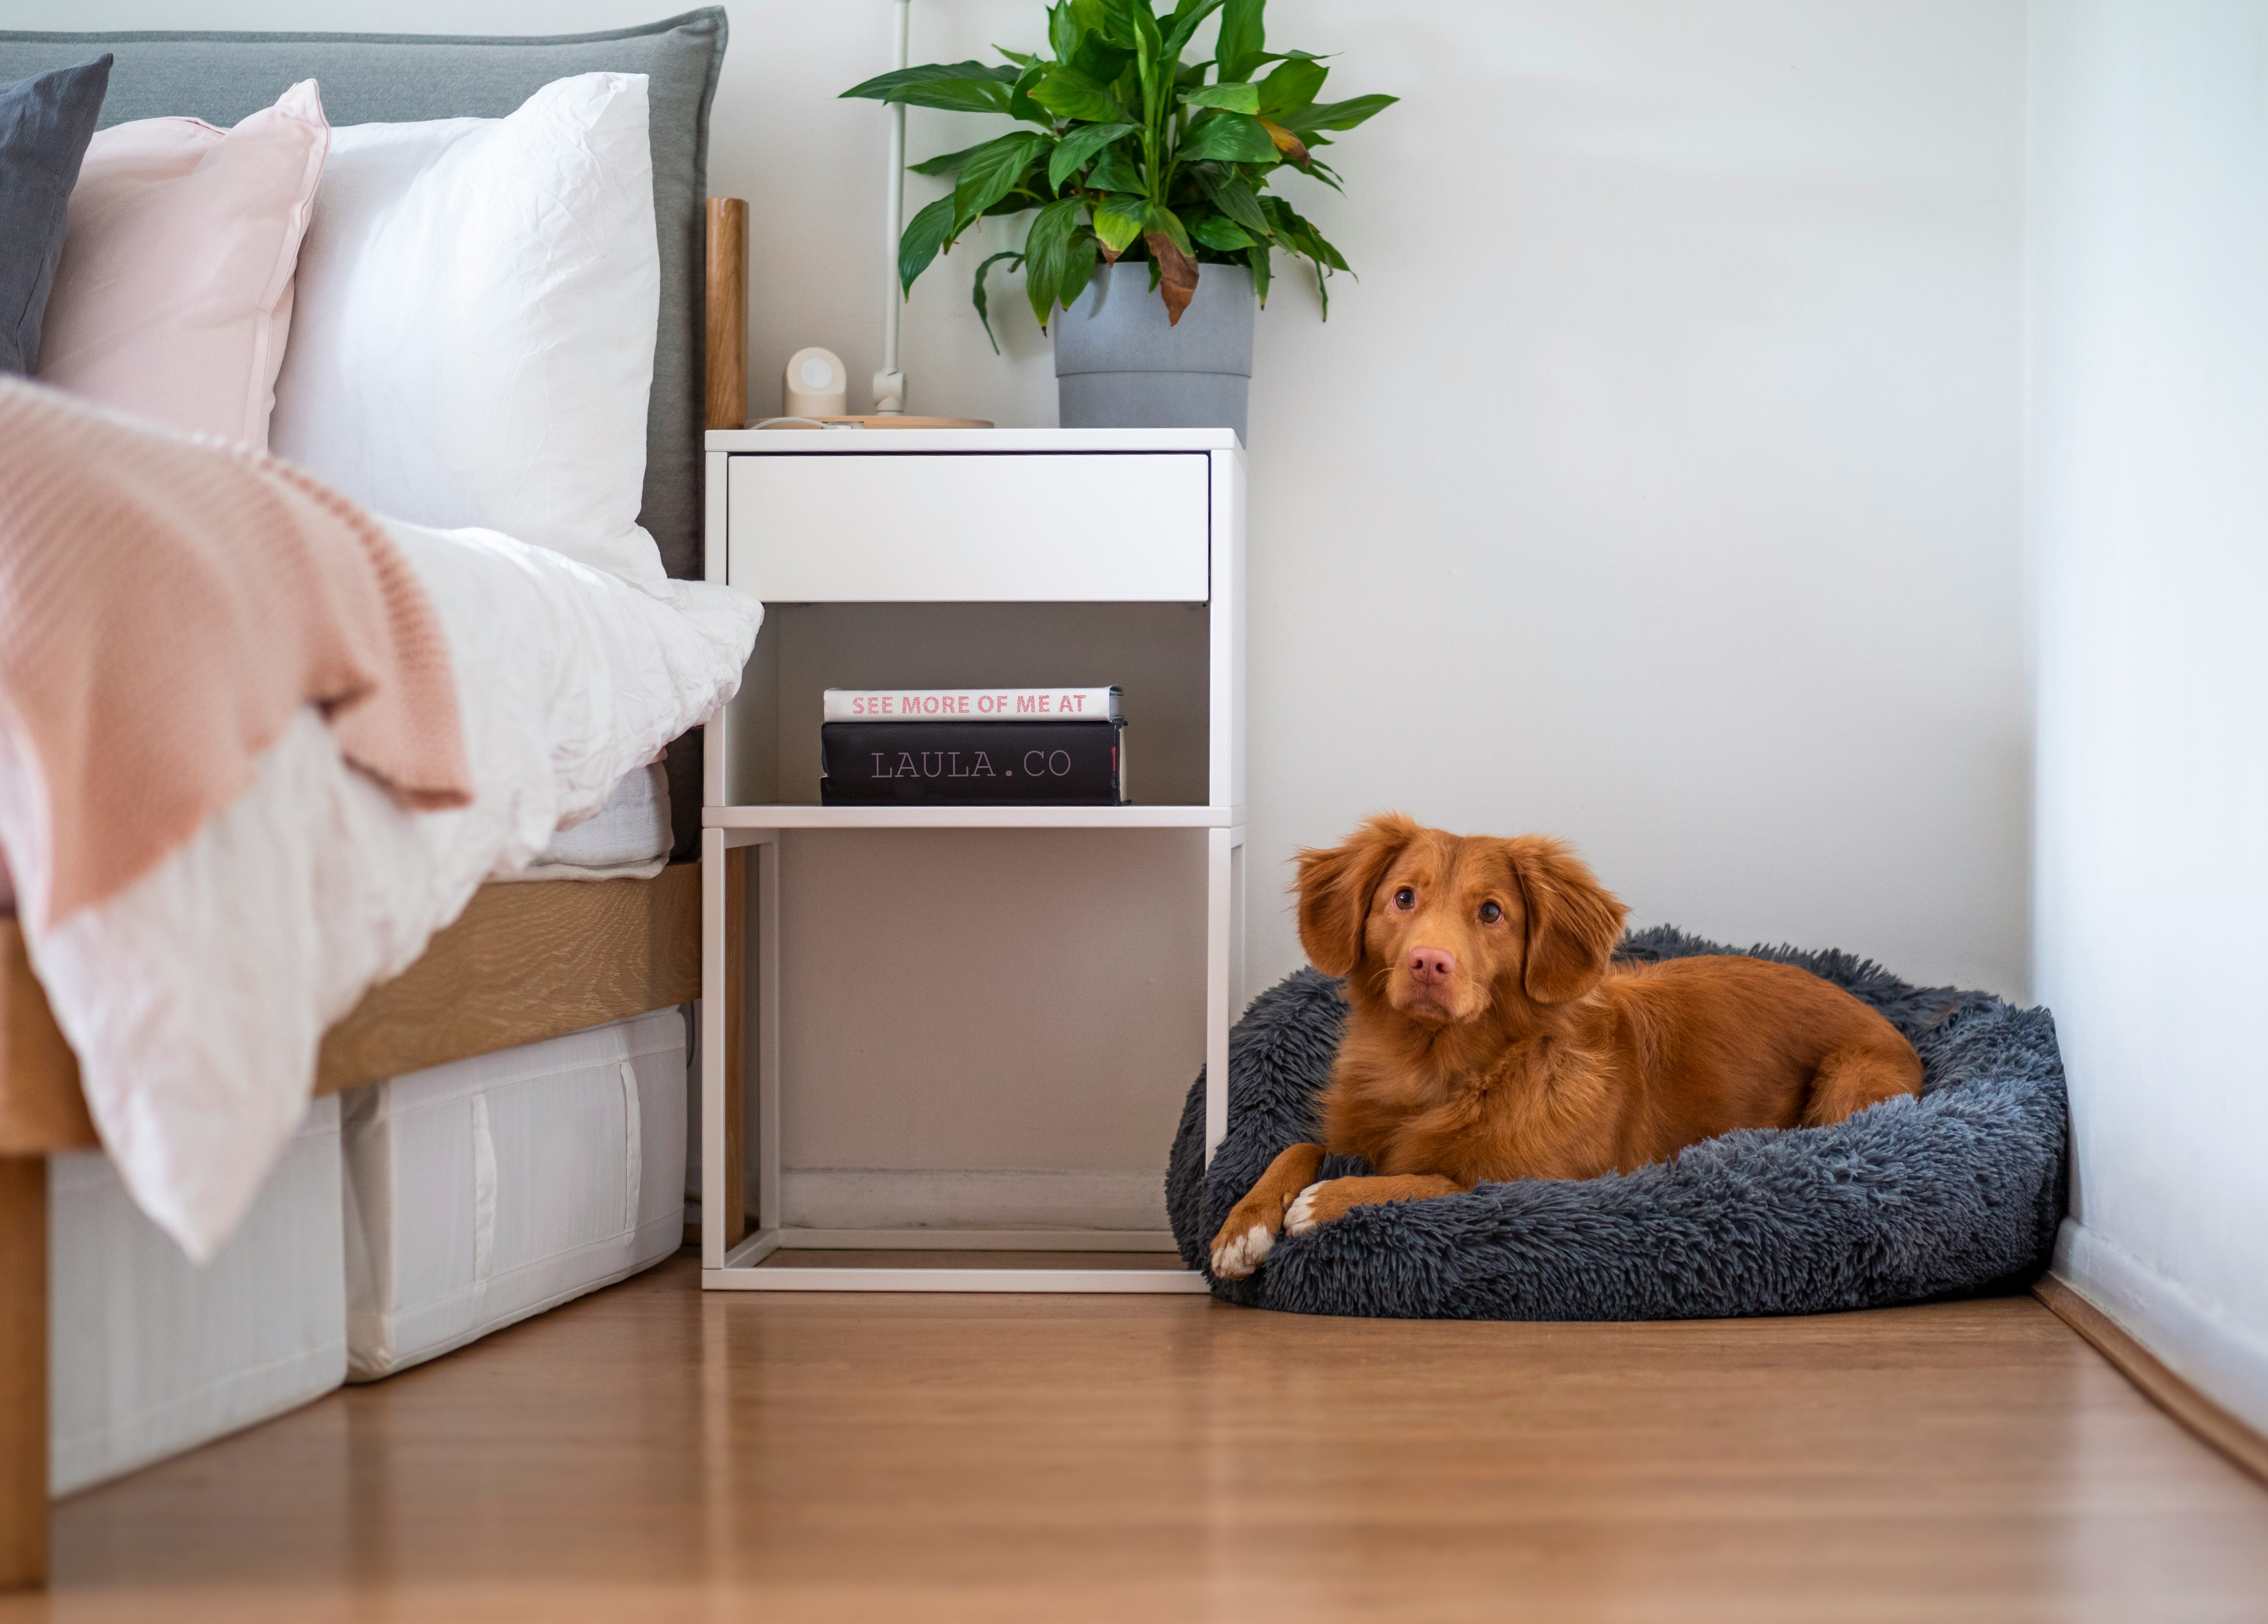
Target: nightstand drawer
{"x":860,"y":527}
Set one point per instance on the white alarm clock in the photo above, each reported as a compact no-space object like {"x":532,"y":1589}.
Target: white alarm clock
{"x":817,"y":385}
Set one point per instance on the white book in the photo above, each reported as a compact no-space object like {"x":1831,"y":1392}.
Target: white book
{"x":973,"y":704}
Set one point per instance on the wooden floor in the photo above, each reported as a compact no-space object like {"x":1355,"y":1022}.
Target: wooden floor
{"x":655,"y":1454}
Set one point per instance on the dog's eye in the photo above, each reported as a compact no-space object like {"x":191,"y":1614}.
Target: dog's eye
{"x":1405,"y":899}
{"x":1491,"y":913}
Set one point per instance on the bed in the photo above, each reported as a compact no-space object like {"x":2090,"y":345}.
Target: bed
{"x":522,"y":961}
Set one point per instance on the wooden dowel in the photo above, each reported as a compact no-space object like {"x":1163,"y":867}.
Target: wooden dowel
{"x":728,"y":314}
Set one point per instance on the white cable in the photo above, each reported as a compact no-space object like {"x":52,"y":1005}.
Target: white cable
{"x":890,"y":383}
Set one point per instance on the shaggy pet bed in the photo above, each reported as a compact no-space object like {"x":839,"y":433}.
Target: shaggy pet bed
{"x":1957,"y":1191}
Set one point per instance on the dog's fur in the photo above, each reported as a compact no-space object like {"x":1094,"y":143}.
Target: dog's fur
{"x":1490,"y":1037}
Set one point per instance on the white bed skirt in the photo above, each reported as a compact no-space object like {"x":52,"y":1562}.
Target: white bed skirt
{"x":490,"y":1189}
{"x":151,"y":1355}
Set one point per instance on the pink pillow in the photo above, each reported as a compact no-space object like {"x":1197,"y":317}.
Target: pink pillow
{"x":173,"y":298}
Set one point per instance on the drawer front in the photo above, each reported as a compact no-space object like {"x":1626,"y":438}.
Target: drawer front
{"x":856,"y":527}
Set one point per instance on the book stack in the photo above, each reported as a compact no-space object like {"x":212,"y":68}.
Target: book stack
{"x":972,"y":747}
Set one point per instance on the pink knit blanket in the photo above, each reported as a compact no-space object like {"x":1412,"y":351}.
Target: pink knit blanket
{"x":165,"y":605}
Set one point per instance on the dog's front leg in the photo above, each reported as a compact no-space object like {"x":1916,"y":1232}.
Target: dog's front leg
{"x":1252,"y":1229}
{"x":1334,"y":1198}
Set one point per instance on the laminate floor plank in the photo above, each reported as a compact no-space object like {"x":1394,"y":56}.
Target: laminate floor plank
{"x":654,"y":1452}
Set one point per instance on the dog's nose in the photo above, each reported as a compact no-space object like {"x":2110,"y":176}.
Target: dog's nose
{"x":1431,"y":964}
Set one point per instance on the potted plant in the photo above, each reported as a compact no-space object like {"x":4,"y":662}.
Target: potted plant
{"x":1155,"y":227}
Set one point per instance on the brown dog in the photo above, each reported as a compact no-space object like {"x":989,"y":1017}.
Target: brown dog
{"x":1490,"y":1038}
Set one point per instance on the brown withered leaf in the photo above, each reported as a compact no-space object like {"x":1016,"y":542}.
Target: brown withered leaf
{"x":1177,"y":275}
{"x":1289,"y":144}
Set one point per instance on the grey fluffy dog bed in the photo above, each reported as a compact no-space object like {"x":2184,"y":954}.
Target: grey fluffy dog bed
{"x":1955,"y":1193}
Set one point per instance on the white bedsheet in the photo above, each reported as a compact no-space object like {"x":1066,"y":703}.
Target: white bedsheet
{"x":196,"y":998}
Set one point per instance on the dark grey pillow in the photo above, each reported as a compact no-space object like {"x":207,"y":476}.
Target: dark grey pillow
{"x":45,"y":124}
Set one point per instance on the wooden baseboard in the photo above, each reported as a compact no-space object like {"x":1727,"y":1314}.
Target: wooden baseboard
{"x":2169,"y":1391}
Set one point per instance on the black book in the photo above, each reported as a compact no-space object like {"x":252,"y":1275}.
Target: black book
{"x":972,"y":763}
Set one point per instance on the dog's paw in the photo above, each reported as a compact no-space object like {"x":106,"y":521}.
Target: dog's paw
{"x":1236,"y":1256}
{"x":1302,"y":1215}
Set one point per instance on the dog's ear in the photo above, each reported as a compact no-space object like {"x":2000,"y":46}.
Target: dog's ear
{"x":1335,"y":886}
{"x":1574,"y":922}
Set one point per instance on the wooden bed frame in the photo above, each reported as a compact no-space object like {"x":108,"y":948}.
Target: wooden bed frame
{"x":525,"y":961}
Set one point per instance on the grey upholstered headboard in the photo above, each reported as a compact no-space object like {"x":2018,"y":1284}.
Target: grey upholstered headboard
{"x":398,"y":79}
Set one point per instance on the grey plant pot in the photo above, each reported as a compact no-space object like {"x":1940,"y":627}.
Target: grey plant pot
{"x":1119,"y":365}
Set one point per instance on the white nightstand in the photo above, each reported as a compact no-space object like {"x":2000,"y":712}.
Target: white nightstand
{"x":951,"y":519}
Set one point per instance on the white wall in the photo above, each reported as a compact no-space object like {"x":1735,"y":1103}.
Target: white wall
{"x":1657,"y":486}
{"x":2150,"y":486}
{"x":1673,"y":424}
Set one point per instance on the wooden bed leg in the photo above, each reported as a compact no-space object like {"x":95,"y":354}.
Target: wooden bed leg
{"x":735,"y":1194}
{"x":22,"y":1372}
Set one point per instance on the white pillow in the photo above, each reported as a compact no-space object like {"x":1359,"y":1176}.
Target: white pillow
{"x":473,"y":338}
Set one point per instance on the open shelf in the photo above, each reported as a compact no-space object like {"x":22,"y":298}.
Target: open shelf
{"x":800,"y":816}
{"x":1157,"y":652}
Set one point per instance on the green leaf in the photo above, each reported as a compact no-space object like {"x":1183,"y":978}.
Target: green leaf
{"x":1080,"y":144}
{"x":1228,"y":138}
{"x":946,"y":162}
{"x":1164,"y":219}
{"x":1063,"y":31}
{"x":1325,"y":254}
{"x":1336,"y":115}
{"x":926,"y":233}
{"x":1186,"y":16}
{"x":1149,"y":52}
{"x":991,"y":171}
{"x":1118,"y":221}
{"x":1236,"y":200}
{"x":1100,"y":59}
{"x":1047,"y":249}
{"x":976,"y":294}
{"x":1021,"y":104}
{"x":883,"y":86}
{"x":1237,"y":98}
{"x":1146,"y":36}
{"x":1078,"y":267}
{"x":1022,"y":59}
{"x":1293,"y":85}
{"x":1115,"y":171}
{"x":1220,"y":232}
{"x":1301,"y":238}
{"x":964,"y":86}
{"x":1105,"y":18}
{"x":1243,"y":38}
{"x":1257,"y":258}
{"x":1070,"y":94}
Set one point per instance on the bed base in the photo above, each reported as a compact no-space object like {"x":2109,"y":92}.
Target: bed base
{"x":524,"y":962}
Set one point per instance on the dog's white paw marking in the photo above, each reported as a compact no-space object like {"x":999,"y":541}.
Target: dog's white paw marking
{"x":1300,"y":1216}
{"x":1239,"y":1257}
